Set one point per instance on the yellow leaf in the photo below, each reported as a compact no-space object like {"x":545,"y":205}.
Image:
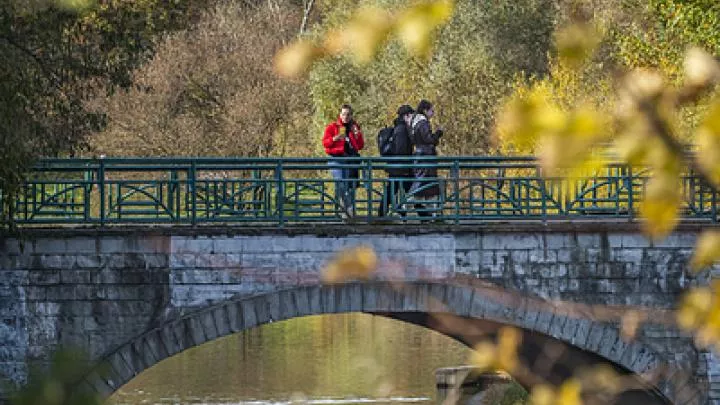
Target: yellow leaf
{"x":366,"y":32}
{"x":605,"y":378}
{"x":641,"y":84}
{"x":707,"y":250}
{"x":694,"y":307}
{"x":483,"y":356}
{"x":416,"y":25}
{"x":293,"y":60}
{"x":569,"y":393}
{"x":508,"y":340}
{"x":707,"y":138}
{"x":549,"y":118}
{"x":632,"y":147}
{"x":660,"y":205}
{"x":442,"y":10}
{"x":701,"y":68}
{"x":629,"y":324}
{"x":358,"y":263}
{"x":542,"y":394}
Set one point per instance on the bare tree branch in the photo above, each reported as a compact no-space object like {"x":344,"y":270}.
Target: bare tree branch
{"x":307,"y":8}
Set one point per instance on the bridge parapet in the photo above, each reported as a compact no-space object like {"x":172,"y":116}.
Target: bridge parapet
{"x":100,"y":288}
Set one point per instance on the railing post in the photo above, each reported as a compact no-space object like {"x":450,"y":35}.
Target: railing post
{"x":713,"y":210}
{"x":280,"y":197}
{"x":101,"y":187}
{"x":631,"y":197}
{"x":87,"y":193}
{"x":456,"y":194}
{"x":192,"y":188}
{"x":368,"y":188}
{"x":172,"y":190}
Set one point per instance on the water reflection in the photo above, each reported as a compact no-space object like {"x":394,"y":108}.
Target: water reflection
{"x":326,"y":359}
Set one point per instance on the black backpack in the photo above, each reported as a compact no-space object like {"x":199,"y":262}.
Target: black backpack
{"x":386,"y":142}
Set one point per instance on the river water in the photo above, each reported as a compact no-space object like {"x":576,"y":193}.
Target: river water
{"x":324,"y":360}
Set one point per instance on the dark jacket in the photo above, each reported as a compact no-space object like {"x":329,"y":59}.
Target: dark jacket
{"x":401,"y":138}
{"x":425,"y":145}
{"x":422,"y":136}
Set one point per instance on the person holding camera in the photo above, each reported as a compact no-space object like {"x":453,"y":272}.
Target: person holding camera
{"x":344,"y":138}
{"x":426,"y":186}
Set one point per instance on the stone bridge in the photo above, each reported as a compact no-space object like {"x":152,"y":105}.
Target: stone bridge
{"x":131,"y":297}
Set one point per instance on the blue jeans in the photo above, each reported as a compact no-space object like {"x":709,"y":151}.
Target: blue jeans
{"x":344,"y":184}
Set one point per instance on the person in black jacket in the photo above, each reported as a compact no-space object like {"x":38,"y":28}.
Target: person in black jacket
{"x":399,"y":177}
{"x":426,"y":186}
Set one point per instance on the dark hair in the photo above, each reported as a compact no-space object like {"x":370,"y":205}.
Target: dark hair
{"x":346,"y":107}
{"x":405,"y":109}
{"x":423,"y":106}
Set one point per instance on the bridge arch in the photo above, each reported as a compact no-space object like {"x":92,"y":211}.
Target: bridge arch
{"x":435,"y":305}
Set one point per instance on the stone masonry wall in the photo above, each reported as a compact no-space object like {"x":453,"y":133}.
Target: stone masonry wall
{"x":98,"y":289}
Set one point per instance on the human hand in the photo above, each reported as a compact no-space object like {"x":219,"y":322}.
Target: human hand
{"x":338,"y":137}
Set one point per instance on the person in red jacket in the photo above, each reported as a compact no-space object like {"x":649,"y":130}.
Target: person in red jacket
{"x":343,"y":138}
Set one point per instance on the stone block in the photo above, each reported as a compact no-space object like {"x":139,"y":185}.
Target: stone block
{"x":227,"y":244}
{"x":459,"y":300}
{"x":635,"y":240}
{"x":191,"y":245}
{"x":556,"y":241}
{"x":111,"y":245}
{"x":302,"y":301}
{"x":557,"y":324}
{"x":120,"y":367}
{"x":207,"y":322}
{"x":221,"y":321}
{"x":543,"y":256}
{"x":628,"y":255}
{"x":79,"y":245}
{"x":262,"y":244}
{"x":288,"y":306}
{"x":235,"y":316}
{"x":182,"y":260}
{"x":271,"y":304}
{"x":75,"y":276}
{"x":678,"y":240}
{"x":168,"y":339}
{"x":565,"y":256}
{"x":211,"y":261}
{"x":14,"y":277}
{"x":595,"y":335}
{"x":586,"y":240}
{"x":467,"y":242}
{"x":248,"y":313}
{"x":99,"y":385}
{"x":543,"y":322}
{"x":156,"y":261}
{"x":582,"y":332}
{"x":90,"y":261}
{"x":9,"y":246}
{"x":196,"y":330}
{"x":467,"y":261}
{"x":49,"y":246}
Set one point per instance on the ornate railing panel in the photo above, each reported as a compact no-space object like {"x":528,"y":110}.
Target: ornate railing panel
{"x":282,"y":191}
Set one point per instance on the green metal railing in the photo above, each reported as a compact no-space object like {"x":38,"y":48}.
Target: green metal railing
{"x":286,"y":191}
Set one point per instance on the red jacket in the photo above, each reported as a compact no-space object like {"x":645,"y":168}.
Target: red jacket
{"x":337,"y":148}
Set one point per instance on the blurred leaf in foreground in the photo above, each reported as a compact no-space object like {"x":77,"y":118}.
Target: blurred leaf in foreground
{"x":358,"y":263}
